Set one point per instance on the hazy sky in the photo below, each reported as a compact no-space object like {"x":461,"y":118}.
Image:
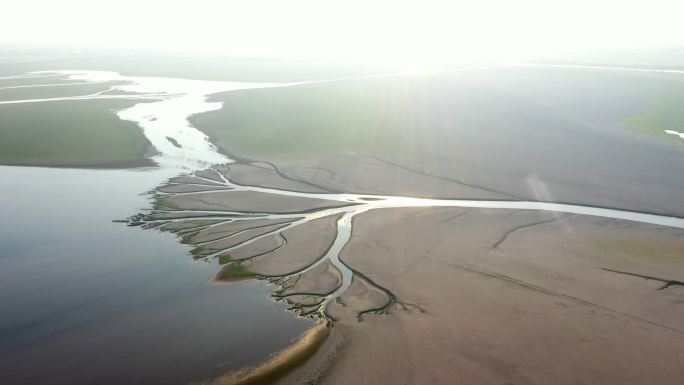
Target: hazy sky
{"x":416,"y":32}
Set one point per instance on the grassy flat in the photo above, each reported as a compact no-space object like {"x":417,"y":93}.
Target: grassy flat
{"x":70,"y":134}
{"x":306,"y":120}
{"x":665,"y":111}
{"x":399,"y":115}
{"x":53,"y":91}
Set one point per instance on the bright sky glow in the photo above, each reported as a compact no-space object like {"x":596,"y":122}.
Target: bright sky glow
{"x":412,"y":32}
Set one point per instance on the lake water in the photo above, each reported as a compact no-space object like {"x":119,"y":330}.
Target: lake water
{"x":85,"y":300}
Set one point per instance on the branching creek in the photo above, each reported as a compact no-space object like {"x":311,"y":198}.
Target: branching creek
{"x":193,"y":225}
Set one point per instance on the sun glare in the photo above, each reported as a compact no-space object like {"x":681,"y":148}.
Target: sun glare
{"x":399,"y":34}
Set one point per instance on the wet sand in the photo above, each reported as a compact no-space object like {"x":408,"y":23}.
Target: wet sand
{"x":542,"y":307}
{"x":281,"y":363}
{"x":452,"y":295}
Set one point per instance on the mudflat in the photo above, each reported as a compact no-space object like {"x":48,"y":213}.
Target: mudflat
{"x":563,"y":302}
{"x":452,"y":295}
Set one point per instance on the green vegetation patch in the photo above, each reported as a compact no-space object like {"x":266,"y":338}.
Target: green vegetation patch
{"x":660,"y":115}
{"x":199,"y":251}
{"x":663,"y":111}
{"x":225,"y":258}
{"x":163,"y":204}
{"x":239,"y":271}
{"x":70,"y":133}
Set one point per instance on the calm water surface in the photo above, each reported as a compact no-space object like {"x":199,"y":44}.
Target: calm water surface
{"x":88,"y":301}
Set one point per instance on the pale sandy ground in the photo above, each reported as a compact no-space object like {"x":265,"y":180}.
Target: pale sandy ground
{"x":537,"y":309}
{"x":306,"y":243}
{"x":372,"y":175}
{"x":246,"y":201}
{"x":232,"y":228}
{"x":260,"y":173}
